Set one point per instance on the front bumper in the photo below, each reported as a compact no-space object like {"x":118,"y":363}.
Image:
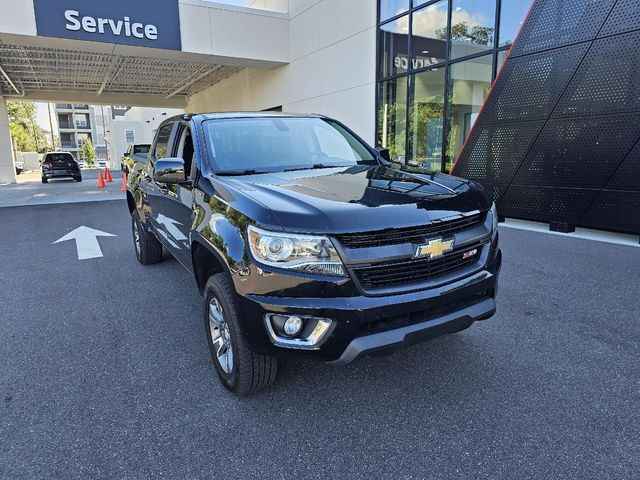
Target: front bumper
{"x":419,"y":332}
{"x":364,"y":324}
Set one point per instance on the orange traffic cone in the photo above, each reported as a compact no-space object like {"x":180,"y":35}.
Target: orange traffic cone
{"x":107,"y":175}
{"x":124,"y":181}
{"x":101,"y":183}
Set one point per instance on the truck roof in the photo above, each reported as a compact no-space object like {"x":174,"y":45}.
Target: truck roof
{"x":219,"y":115}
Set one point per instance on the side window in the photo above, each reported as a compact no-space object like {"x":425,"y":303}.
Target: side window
{"x":185,"y":149}
{"x":162,"y":143}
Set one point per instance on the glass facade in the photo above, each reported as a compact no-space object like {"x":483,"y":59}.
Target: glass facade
{"x":436,"y":62}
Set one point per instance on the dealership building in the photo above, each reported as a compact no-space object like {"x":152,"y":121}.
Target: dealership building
{"x":410,"y":75}
{"x":315,"y":56}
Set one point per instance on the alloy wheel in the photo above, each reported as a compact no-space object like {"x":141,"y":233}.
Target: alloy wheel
{"x":220,"y":336}
{"x":136,"y":237}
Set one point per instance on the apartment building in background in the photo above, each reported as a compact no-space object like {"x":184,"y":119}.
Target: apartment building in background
{"x":78,"y":122}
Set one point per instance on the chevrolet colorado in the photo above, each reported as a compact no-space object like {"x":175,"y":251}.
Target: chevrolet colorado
{"x":305,"y":241}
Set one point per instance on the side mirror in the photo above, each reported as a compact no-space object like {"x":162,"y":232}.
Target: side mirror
{"x":127,"y":154}
{"x":170,"y":171}
{"x":383,"y":153}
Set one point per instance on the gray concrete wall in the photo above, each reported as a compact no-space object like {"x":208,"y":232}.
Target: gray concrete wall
{"x":31,"y":160}
{"x":7,"y":170}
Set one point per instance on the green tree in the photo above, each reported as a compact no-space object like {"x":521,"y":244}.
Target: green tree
{"x":87,"y":152}
{"x":24,"y":128}
{"x":463,"y":33}
{"x":392,"y":120}
{"x":425,"y":130}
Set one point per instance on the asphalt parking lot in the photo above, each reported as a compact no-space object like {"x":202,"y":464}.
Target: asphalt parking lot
{"x":30,"y":191}
{"x":105,"y":373}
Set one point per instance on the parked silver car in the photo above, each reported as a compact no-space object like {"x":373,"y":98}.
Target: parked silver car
{"x":19,"y":166}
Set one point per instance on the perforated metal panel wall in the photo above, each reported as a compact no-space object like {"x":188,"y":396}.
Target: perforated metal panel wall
{"x":558,"y":139}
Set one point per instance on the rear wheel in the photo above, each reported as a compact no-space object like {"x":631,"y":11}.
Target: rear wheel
{"x":44,"y":180}
{"x":148,"y":248}
{"x":78,"y":179}
{"x":240,"y":370}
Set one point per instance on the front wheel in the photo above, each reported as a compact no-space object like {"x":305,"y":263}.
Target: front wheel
{"x":44,"y":180}
{"x":148,"y":248}
{"x":240,"y":370}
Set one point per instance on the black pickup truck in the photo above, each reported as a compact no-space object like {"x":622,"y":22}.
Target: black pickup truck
{"x":135,"y":153}
{"x":305,"y":241}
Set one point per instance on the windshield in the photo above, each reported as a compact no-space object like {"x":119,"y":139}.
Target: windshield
{"x":254,"y":145}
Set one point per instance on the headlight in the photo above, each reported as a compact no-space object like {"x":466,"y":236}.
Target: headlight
{"x":494,"y":217}
{"x":302,"y":253}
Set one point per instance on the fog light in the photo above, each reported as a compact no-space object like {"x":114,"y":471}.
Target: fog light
{"x":293,"y":326}
{"x":300,"y":332}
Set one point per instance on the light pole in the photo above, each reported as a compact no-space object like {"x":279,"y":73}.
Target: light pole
{"x":104,"y":133}
{"x":53,"y":138}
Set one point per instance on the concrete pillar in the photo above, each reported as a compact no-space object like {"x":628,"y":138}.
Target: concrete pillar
{"x":7,"y":170}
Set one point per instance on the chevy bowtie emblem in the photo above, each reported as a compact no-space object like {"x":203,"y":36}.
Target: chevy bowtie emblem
{"x":435,"y":249}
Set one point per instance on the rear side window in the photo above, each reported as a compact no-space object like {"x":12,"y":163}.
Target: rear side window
{"x":162,"y":143}
{"x":141,"y":148}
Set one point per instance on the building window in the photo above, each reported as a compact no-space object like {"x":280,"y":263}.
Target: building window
{"x":81,"y":120}
{"x":502,"y":56}
{"x":392,"y":8}
{"x":469,"y":85}
{"x":392,"y":117}
{"x":472,"y":27}
{"x":434,"y":50}
{"x":394,"y":48}
{"x":426,"y":119}
{"x":129,"y":136}
{"x":429,"y":35}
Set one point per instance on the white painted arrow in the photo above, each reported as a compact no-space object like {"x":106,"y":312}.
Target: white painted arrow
{"x":170,"y":225}
{"x":86,"y":241}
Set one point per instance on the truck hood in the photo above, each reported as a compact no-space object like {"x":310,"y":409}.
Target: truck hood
{"x":359,"y":198}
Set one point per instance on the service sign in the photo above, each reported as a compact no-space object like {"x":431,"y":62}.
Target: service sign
{"x":141,"y":23}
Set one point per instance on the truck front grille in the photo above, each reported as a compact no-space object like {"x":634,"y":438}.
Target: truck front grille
{"x":416,"y":271}
{"x":418,"y":234}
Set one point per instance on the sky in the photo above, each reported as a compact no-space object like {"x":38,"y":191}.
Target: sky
{"x":43,"y":116}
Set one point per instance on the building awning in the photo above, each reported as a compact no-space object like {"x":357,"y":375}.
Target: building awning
{"x":28,"y":69}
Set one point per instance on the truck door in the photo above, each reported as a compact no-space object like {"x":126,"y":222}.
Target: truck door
{"x":177,"y":200}
{"x":155,"y":192}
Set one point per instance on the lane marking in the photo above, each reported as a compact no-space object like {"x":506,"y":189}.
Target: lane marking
{"x":86,"y":239}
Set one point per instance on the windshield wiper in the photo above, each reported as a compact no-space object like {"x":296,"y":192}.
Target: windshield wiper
{"x":238,"y":173}
{"x":315,"y":166}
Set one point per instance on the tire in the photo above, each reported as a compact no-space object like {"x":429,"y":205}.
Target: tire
{"x":147,"y":247}
{"x":44,"y":180}
{"x":249,"y":372}
{"x":78,"y":179}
